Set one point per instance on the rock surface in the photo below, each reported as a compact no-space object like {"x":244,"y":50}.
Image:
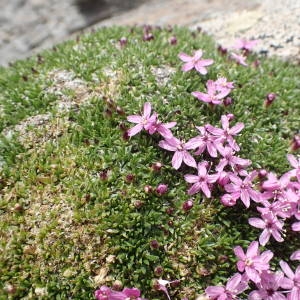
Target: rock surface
{"x":31,"y":25}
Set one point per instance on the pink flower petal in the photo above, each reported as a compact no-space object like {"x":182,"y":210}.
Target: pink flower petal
{"x":184,"y":57}
{"x":187,"y":66}
{"x":191,"y":178}
{"x":147,"y":110}
{"x":165,"y":145}
{"x":177,"y":160}
{"x":195,"y":188}
{"x":135,"y":119}
{"x":135,"y":130}
{"x":189,"y":159}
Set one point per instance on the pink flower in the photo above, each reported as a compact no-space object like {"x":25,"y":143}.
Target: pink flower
{"x":181,"y":153}
{"x":243,"y":189}
{"x":201,"y":181}
{"x":270,"y":225}
{"x":142,"y":121}
{"x":292,"y":283}
{"x":268,"y":287}
{"x":223,"y":85}
{"x":205,"y":141}
{"x":244,"y":44}
{"x":226,"y":134}
{"x":195,"y":61}
{"x":105,"y":293}
{"x":231,"y":160}
{"x":162,"y":189}
{"x":162,"y":129}
{"x":229,"y":199}
{"x":234,"y":286}
{"x":214,"y":93}
{"x":252,"y":262}
{"x":240,"y":59}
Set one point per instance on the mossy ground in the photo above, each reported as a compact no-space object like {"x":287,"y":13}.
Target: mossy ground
{"x":65,"y":228}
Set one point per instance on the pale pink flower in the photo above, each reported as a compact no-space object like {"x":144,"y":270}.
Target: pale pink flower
{"x":268,"y":287}
{"x":243,"y":189}
{"x":234,"y":286}
{"x":277,"y":208}
{"x":292,"y":282}
{"x":181,"y":151}
{"x":270,"y":225}
{"x":205,"y":141}
{"x":214,"y":95}
{"x":244,"y":44}
{"x":226,"y":134}
{"x":230,"y":159}
{"x":229,"y":199}
{"x":201,"y":181}
{"x":240,"y":59}
{"x":162,"y":129}
{"x":195,"y":61}
{"x":142,"y":121}
{"x":223,"y":85}
{"x":252,"y":262}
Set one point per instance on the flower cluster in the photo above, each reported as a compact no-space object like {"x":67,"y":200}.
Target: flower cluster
{"x":213,"y":155}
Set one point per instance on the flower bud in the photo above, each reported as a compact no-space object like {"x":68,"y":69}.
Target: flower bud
{"x":123,"y":41}
{"x":156,"y":166}
{"x":158,"y":271}
{"x":162,"y":189}
{"x":223,"y":178}
{"x":170,"y":211}
{"x":148,"y":189}
{"x":18,"y":207}
{"x":227,"y":101}
{"x":129,"y":178}
{"x":138,"y":204}
{"x":125,"y":136}
{"x":173,"y":40}
{"x":117,"y":285}
{"x":103,"y":175}
{"x":295,"y":144}
{"x":148,"y":37}
{"x":222,"y":50}
{"x":120,"y":111}
{"x":154,"y":244}
{"x":230,"y":117}
{"x":187,"y":205}
{"x":228,"y":200}
{"x":269,"y":99}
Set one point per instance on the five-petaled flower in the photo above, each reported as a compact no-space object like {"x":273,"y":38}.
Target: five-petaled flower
{"x":195,"y":61}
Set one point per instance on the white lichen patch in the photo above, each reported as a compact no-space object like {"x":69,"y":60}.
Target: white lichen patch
{"x":163,"y":74}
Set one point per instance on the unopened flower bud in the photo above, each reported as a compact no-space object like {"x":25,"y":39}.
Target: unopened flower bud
{"x":122,"y":126}
{"x":123,"y":41}
{"x":170,"y":223}
{"x":148,"y":189}
{"x":120,"y":111}
{"x":173,"y":40}
{"x":162,"y":189}
{"x":170,"y":210}
{"x":154,"y":244}
{"x":230,"y":117}
{"x":223,"y":178}
{"x":175,"y":283}
{"x":125,"y":136}
{"x":129,"y":178}
{"x":156,"y":166}
{"x":222,"y":50}
{"x":295,"y":144}
{"x":228,"y":200}
{"x":103,"y":175}
{"x":188,"y":205}
{"x":269,"y":99}
{"x":262,"y":173}
{"x":117,"y":285}
{"x":158,"y":271}
{"x":18,"y":207}
{"x":227,"y":101}
{"x":148,"y":36}
{"x":138,"y":204}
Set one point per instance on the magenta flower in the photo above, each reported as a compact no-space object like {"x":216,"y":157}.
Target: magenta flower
{"x":231,"y":160}
{"x":143,"y":121}
{"x":240,"y":59}
{"x":201,"y":181}
{"x":243,"y":189}
{"x":234,"y":286}
{"x":252,"y":262}
{"x":162,"y":129}
{"x":226,"y":134}
{"x":181,"y":151}
{"x":214,"y":94}
{"x":105,"y":293}
{"x":292,"y":282}
{"x":195,"y":61}
{"x":268,"y":287}
{"x":270,"y":225}
{"x":244,"y":44}
{"x":205,"y":141}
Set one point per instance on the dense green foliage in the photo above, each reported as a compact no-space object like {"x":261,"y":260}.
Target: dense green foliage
{"x":68,"y":210}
